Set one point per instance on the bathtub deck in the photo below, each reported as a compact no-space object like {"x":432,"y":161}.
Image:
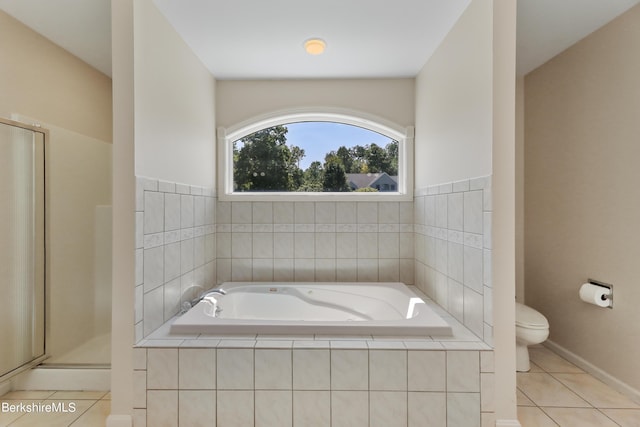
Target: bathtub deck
{"x":461,"y":338}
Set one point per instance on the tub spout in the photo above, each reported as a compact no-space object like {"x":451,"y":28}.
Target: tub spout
{"x":211,"y":292}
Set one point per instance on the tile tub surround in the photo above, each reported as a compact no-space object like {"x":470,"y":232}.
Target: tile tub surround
{"x":268,"y":380}
{"x":453,"y":250}
{"x":175,"y":249}
{"x":314,"y":241}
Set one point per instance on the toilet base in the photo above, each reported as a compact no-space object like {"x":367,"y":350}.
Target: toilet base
{"x":522,"y":358}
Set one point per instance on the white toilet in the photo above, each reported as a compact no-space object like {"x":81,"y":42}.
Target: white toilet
{"x":531,"y":328}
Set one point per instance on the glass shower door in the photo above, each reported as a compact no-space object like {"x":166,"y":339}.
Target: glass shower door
{"x":22,"y":246}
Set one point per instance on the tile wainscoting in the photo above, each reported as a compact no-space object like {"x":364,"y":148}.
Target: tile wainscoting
{"x":175,"y":249}
{"x":453,"y":250}
{"x":314,"y":241}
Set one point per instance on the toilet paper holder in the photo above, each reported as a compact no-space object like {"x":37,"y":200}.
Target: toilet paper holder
{"x":604,"y":285}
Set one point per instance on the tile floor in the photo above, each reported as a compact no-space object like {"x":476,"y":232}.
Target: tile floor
{"x":91,"y":408}
{"x":557,"y":393}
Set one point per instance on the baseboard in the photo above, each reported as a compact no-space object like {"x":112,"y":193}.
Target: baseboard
{"x":5,"y":388}
{"x":119,"y":421}
{"x":508,"y":423}
{"x":598,"y":373}
{"x":63,"y":379}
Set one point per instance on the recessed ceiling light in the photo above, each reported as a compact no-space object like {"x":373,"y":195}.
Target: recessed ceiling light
{"x":315,"y":46}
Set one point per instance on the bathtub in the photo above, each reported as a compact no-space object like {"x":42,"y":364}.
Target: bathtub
{"x":313,"y":308}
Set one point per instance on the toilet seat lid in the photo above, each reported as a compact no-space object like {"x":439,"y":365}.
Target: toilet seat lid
{"x":527,"y":317}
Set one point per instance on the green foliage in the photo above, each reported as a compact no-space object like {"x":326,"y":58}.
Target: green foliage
{"x":366,"y":190}
{"x":264,"y":162}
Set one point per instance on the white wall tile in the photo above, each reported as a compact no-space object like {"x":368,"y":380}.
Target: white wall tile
{"x":304,"y":270}
{"x":427,"y":409}
{"x":172,"y":301}
{"x":442,"y":256}
{"x":346,"y":270}
{"x":198,"y":211}
{"x":235,"y":408}
{"x":241,"y":212}
{"x":455,"y":298}
{"x":455,"y":211}
{"x":171,"y":212}
{"x":407,"y":271}
{"x":388,"y":370}
{"x":473,"y":274}
{"x":304,"y":213}
{"x":262,"y":212}
{"x":223,"y":212}
{"x":406,"y":213}
{"x":367,"y":245}
{"x":473,"y":311}
{"x":487,"y":270}
{"x":273,"y":369}
{"x":388,"y":409}
{"x":186,"y":211}
{"x":171,"y":261}
{"x":304,"y":245}
{"x":162,"y":368}
{"x":273,"y":408}
{"x":241,"y":245}
{"x":283,"y":245}
{"x":312,"y":408}
{"x":487,"y":230}
{"x":262,"y":245}
{"x":346,"y":213}
{"x":488,"y":305}
{"x":223,"y":245}
{"x":283,"y":270}
{"x":367,"y":213}
{"x":325,"y":212}
{"x":463,"y":409}
{"x":234,"y":369}
{"x":139,"y":229}
{"x":473,"y":208}
{"x":487,"y":392}
{"x":367,"y":270}
{"x":153,"y":212}
{"x":463,"y":371}
{"x":139,"y":266}
{"x":349,"y":409}
{"x":389,"y":270}
{"x":325,"y":245}
{"x":325,"y":270}
{"x":153,"y":268}
{"x":455,"y":261}
{"x":346,"y":245}
{"x":406,"y":245}
{"x":441,"y":210}
{"x":153,"y":308}
{"x":389,"y":245}
{"x":186,"y":255}
{"x":419,"y":210}
{"x":311,"y":369}
{"x":241,"y":269}
{"x":349,"y":370}
{"x":197,"y":369}
{"x":388,"y":213}
{"x":197,"y":408}
{"x":162,"y":408}
{"x":262,"y":270}
{"x":426,"y":370}
{"x":283,"y":213}
{"x":198,"y":251}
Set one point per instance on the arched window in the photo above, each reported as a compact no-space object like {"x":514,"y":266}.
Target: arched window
{"x":315,"y":154}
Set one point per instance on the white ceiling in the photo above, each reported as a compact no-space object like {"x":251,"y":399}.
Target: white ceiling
{"x":259,"y":39}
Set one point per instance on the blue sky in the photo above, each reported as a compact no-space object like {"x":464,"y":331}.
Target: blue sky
{"x":318,"y":138}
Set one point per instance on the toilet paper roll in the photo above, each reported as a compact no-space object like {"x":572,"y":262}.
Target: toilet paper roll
{"x":594,"y":294}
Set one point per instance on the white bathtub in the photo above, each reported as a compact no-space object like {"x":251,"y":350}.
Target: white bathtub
{"x":314,"y":308}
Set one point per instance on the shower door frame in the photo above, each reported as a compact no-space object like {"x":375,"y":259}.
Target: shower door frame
{"x":42,"y":323}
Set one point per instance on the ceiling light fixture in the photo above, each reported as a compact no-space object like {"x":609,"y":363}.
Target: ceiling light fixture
{"x":315,"y":46}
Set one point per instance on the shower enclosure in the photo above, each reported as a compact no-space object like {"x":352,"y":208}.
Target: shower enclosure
{"x":55,"y":252}
{"x":22,"y":246}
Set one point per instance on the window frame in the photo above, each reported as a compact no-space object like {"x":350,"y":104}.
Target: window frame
{"x":404,"y":136}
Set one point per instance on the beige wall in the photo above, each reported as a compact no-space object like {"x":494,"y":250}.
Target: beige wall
{"x":174,"y":108}
{"x":582,"y":207}
{"x":41,"y":80}
{"x":453,"y":103}
{"x":520,"y":189}
{"x":391,"y":99}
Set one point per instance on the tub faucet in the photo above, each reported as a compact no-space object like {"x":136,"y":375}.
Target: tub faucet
{"x":205,"y":294}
